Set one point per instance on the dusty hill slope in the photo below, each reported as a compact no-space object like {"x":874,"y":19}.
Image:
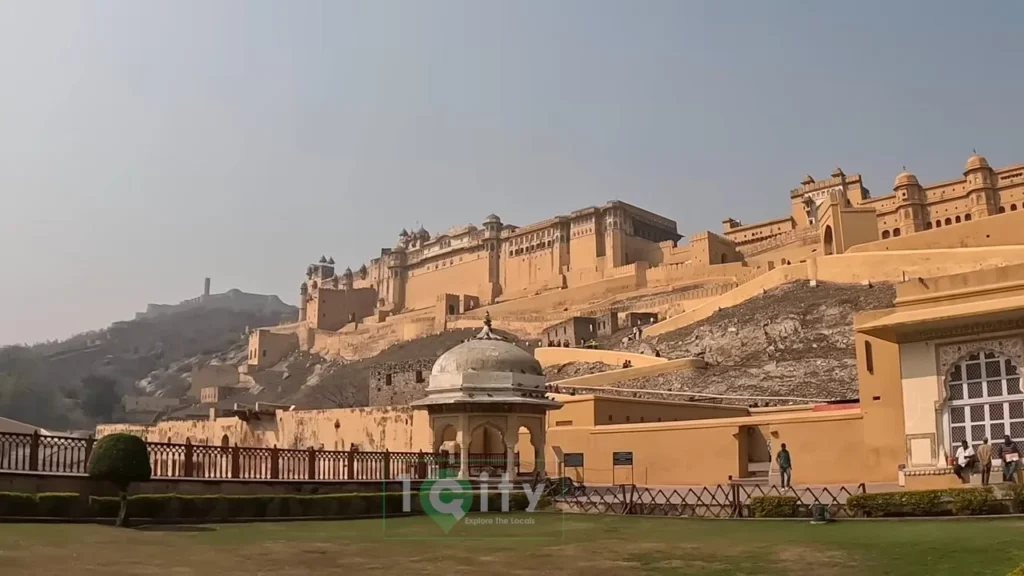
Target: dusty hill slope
{"x":793,"y":341}
{"x":43,"y":384}
{"x":310,"y":381}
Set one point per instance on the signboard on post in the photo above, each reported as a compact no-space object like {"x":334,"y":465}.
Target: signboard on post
{"x":622,"y":458}
{"x":573,"y":460}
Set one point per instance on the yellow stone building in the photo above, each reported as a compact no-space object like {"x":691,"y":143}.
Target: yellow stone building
{"x":940,"y":367}
{"x":911,"y":207}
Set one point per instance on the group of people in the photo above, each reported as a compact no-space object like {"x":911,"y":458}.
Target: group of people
{"x":554,"y":388}
{"x":967,"y":459}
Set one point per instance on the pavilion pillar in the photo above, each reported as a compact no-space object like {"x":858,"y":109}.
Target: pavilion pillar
{"x":539,"y":438}
{"x":463,"y":438}
{"x":511,"y":437}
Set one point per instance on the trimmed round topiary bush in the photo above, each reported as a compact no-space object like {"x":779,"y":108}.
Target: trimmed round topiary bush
{"x":120,"y":459}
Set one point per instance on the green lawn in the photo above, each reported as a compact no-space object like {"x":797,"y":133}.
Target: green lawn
{"x":573,"y":544}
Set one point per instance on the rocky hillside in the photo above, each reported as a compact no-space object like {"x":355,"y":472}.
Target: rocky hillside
{"x":794,"y":341}
{"x":558,"y":372}
{"x":77,"y":382}
{"x":305,"y":380}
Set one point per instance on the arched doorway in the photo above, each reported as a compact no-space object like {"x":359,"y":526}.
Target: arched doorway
{"x":984,"y":399}
{"x":487,"y":451}
{"x":526,"y":451}
{"x":828,"y":241}
{"x":885,"y":234}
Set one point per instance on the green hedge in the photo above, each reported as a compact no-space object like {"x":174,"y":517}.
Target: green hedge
{"x":220,"y":507}
{"x":775,"y":506}
{"x":958,"y":501}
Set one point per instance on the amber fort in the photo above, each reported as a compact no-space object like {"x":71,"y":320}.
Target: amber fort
{"x":937,"y":366}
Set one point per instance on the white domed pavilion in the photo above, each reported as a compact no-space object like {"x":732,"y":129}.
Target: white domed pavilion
{"x":489,"y":383}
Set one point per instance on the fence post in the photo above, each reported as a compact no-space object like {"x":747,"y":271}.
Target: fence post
{"x":275,"y":466}
{"x":737,"y":507}
{"x":352,"y":463}
{"x":421,"y":467}
{"x":387,"y":465}
{"x":33,"y":452}
{"x":188,"y":472}
{"x":88,"y":449}
{"x":236,"y":463}
{"x":311,"y":464}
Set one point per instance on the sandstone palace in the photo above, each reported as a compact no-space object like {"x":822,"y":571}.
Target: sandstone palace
{"x":470,"y":266}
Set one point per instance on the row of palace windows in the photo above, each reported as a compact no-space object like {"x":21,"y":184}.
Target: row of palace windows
{"x":530,"y":249}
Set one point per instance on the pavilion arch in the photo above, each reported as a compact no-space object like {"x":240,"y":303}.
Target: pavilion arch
{"x":447,"y":434}
{"x":526,"y":449}
{"x":531,"y":440}
{"x":981,"y":394}
{"x":829,"y":241}
{"x":488,"y":437}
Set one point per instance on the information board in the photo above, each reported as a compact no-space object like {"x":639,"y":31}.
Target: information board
{"x":573,"y":460}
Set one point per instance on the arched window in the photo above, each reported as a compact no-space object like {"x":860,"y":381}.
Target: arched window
{"x":948,"y":222}
{"x":1002,"y":209}
{"x":957,"y":219}
{"x":927,"y":225}
{"x":829,"y":241}
{"x":896,"y":233}
{"x":938,"y":223}
{"x":984,"y":400}
{"x":967,"y":217}
{"x":885,"y":234}
{"x":1013,"y":207}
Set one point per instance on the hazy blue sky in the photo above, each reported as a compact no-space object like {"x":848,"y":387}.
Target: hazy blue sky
{"x":145,"y":145}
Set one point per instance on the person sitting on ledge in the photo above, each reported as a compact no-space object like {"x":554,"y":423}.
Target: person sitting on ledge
{"x":964,"y":462}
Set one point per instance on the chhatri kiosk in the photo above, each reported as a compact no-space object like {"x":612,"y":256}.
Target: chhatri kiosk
{"x":487,"y":383}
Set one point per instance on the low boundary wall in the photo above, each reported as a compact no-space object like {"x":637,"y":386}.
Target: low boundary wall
{"x":554,"y":355}
{"x":621,"y":375}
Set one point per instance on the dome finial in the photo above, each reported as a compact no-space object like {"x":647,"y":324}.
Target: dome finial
{"x":486,"y":333}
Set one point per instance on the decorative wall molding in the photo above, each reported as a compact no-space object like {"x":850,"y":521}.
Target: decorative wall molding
{"x":933,"y":452}
{"x":1012,"y":348}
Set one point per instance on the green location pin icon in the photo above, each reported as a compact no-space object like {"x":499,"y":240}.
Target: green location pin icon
{"x":446,"y":501}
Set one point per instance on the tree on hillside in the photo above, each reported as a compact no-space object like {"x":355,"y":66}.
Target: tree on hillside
{"x":25,"y":392}
{"x":99,"y":396}
{"x":120,"y":459}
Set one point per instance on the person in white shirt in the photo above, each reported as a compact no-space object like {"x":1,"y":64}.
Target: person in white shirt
{"x":964,"y":462}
